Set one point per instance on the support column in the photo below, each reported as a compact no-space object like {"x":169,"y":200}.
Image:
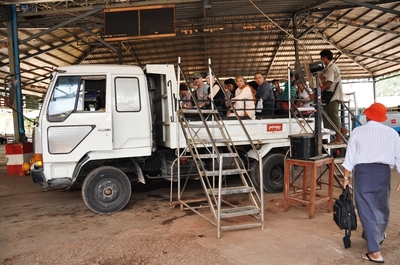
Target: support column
{"x":15,"y":89}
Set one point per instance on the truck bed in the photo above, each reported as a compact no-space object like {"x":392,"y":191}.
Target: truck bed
{"x":261,"y":130}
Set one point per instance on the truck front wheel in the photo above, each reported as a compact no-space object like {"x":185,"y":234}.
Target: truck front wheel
{"x":273,"y":175}
{"x":106,"y":190}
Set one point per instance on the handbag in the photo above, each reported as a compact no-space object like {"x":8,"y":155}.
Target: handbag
{"x":328,"y":95}
{"x":260,"y":106}
{"x":344,"y":215}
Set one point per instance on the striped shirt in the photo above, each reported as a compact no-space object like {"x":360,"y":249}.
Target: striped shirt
{"x":373,"y":143}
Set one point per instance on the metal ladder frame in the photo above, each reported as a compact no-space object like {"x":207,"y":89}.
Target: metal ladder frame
{"x":214,"y":154}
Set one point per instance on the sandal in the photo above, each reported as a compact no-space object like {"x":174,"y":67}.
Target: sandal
{"x":366,"y":256}
{"x":383,"y":239}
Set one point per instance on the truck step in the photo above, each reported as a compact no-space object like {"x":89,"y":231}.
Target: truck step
{"x":224,"y":172}
{"x":239,"y":211}
{"x":231,"y":190}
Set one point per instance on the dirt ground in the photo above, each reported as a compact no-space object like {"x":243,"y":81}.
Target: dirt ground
{"x":55,"y":227}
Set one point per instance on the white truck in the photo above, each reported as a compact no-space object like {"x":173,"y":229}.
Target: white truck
{"x":105,"y":126}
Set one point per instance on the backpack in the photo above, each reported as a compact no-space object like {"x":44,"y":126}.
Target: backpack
{"x":344,"y":215}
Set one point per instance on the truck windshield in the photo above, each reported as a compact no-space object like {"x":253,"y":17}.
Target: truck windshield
{"x":79,"y":94}
{"x":63,"y":99}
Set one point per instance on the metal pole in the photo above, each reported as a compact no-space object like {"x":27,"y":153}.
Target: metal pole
{"x":18,"y":93}
{"x":318,"y":117}
{"x":289,"y":99}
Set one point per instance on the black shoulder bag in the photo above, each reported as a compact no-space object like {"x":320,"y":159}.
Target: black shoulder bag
{"x":328,"y":95}
{"x":344,"y":215}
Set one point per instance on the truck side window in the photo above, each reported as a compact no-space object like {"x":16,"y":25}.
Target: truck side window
{"x":127,"y":94}
{"x":63,"y":98}
{"x":94,"y":94}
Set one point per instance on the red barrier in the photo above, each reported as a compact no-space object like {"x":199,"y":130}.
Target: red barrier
{"x":16,"y":155}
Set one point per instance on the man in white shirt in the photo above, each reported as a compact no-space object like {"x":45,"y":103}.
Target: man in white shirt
{"x":332,"y":82}
{"x":373,"y":150}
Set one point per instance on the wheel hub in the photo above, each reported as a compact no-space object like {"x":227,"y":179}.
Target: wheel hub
{"x":107,"y":191}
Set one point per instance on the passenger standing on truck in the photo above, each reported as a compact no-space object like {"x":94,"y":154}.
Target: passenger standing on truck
{"x":373,"y":150}
{"x":202,"y":90}
{"x":264,"y":93}
{"x":292,"y":88}
{"x":329,"y":81}
{"x":276,"y":87}
{"x":186,"y":97}
{"x":192,"y":86}
{"x":230,"y":89}
{"x":277,"y":93}
{"x":244,"y":100}
{"x":215,"y":92}
{"x":305,"y":96}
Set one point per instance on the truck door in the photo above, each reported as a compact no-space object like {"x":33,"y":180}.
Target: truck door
{"x":77,"y":119}
{"x":131,"y":114}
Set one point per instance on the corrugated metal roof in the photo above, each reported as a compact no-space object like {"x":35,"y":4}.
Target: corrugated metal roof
{"x":239,"y":36}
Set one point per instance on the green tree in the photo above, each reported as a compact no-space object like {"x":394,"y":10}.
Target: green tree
{"x":388,"y":87}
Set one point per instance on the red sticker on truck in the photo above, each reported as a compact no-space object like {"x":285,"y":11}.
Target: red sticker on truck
{"x":274,"y":127}
{"x":393,"y":121}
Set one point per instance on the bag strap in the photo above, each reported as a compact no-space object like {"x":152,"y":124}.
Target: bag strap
{"x":334,"y":91}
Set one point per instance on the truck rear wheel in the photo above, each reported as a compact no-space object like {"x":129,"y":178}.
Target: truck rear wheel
{"x":106,"y":190}
{"x":273,"y":174}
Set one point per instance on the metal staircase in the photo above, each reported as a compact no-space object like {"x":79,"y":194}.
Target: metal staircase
{"x":222,"y":173}
{"x":346,"y":116}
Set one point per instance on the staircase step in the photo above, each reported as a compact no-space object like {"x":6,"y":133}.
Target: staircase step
{"x":339,"y":160}
{"x":224,"y":172}
{"x":195,"y":111}
{"x":229,"y":155}
{"x":239,"y":211}
{"x":241,"y":226}
{"x":328,"y":132}
{"x":197,"y":125}
{"x":231,"y":190}
{"x":201,"y":156}
{"x":216,"y":140}
{"x":334,"y":146}
{"x":216,"y":155}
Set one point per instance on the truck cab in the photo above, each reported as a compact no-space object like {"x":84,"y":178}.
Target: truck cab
{"x":93,"y":116}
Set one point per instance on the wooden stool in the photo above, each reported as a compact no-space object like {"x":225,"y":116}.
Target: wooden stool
{"x":311,"y":202}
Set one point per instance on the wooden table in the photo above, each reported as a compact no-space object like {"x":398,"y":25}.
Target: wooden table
{"x":307,"y":196}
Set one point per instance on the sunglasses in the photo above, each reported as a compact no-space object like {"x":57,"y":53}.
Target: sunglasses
{"x":196,"y":78}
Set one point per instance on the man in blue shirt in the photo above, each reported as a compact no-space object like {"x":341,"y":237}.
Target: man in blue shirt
{"x":264,"y":92}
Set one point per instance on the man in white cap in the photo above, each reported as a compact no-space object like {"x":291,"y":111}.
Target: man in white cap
{"x":373,"y":150}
